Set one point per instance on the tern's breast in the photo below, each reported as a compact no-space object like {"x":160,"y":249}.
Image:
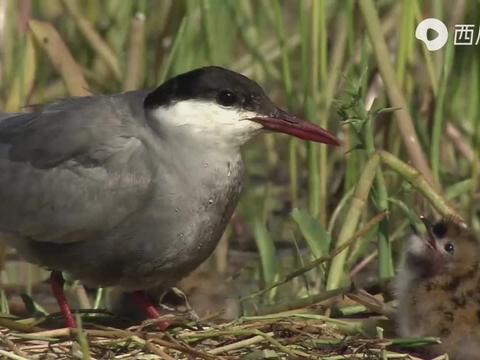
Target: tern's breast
{"x":187,"y":217}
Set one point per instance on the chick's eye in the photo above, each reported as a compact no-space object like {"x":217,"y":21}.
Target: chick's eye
{"x":449,"y":248}
{"x":226,"y":98}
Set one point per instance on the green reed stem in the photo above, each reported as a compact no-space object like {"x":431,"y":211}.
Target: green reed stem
{"x":352,"y":218}
{"x":438,"y":122}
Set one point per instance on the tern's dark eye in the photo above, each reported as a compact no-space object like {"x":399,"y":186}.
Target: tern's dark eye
{"x":226,"y":98}
{"x":449,"y":248}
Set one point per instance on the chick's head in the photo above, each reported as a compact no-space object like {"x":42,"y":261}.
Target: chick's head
{"x":447,"y":248}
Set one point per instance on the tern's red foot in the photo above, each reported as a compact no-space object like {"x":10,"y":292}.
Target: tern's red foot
{"x":56,"y":280}
{"x":144,"y":303}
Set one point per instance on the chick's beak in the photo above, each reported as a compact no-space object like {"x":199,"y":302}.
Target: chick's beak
{"x":430,"y":236}
{"x":284,"y":122}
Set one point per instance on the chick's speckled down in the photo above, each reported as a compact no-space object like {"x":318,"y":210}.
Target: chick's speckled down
{"x":438,"y":288}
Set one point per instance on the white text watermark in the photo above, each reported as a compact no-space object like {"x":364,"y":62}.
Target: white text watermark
{"x":464,"y":34}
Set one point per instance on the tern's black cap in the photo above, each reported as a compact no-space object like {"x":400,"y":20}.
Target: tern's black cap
{"x":212,"y":83}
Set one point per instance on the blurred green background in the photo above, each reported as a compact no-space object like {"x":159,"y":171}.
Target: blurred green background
{"x":352,"y":66}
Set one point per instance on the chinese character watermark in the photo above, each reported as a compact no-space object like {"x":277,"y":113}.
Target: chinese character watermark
{"x":464,"y":34}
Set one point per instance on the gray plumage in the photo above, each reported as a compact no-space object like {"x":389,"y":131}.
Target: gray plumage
{"x":90,"y":186}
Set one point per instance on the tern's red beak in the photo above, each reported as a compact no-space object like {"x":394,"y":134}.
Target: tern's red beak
{"x":283,"y":122}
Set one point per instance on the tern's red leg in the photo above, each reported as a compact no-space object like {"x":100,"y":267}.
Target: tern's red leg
{"x":144,"y":303}
{"x":56,"y":280}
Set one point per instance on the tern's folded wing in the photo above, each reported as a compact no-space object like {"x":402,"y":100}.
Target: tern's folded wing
{"x":71,"y":171}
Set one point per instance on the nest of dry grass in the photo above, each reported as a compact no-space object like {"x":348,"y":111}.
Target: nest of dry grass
{"x":287,"y":335}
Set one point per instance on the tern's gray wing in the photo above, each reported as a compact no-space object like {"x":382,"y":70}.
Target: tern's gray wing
{"x":72,"y":170}
{"x":4,"y":115}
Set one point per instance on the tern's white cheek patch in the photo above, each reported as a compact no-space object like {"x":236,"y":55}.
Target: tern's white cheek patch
{"x":209,"y":119}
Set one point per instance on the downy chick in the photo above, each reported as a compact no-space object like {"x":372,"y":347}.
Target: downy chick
{"x":438,"y":288}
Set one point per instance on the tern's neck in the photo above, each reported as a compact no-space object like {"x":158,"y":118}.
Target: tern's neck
{"x":196,"y":141}
{"x":207,"y":162}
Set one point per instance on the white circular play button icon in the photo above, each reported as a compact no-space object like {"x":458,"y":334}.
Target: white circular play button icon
{"x":436,"y":25}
